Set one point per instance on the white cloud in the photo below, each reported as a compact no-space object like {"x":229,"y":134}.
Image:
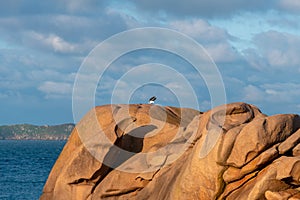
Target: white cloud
{"x":278,"y":98}
{"x":279,"y":49}
{"x":50,"y":41}
{"x":255,"y":60}
{"x":273,"y":93}
{"x":282,"y":92}
{"x":200,"y":29}
{"x":214,"y":39}
{"x":222,"y":52}
{"x":59,"y":44}
{"x":56,"y":89}
{"x":253,"y":94}
{"x":82,"y":5}
{"x":130,"y":21}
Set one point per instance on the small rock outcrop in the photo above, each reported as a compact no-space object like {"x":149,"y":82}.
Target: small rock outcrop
{"x":152,"y":152}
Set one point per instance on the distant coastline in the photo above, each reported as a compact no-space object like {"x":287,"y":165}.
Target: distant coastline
{"x":33,"y":132}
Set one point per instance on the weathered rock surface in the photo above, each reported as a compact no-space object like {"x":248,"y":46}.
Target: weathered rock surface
{"x":152,"y":152}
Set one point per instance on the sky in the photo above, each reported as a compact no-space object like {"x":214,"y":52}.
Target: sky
{"x":255,"y":46}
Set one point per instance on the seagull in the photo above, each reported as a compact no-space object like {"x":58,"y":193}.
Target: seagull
{"x":152,"y":99}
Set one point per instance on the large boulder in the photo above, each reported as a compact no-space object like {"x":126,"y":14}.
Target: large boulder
{"x":152,"y":152}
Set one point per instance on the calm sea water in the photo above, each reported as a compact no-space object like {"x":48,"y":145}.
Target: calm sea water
{"x":25,"y":166}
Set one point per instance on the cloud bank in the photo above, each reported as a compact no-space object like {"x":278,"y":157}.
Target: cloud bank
{"x":43,"y":44}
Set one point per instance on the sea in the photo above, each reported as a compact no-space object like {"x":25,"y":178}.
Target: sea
{"x":25,"y":166}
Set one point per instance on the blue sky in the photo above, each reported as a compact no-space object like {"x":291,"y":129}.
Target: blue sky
{"x":255,"y":45}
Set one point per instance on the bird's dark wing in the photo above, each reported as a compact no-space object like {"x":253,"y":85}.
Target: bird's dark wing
{"x":152,"y":98}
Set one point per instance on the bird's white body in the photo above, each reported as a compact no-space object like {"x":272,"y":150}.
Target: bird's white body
{"x":152,"y":99}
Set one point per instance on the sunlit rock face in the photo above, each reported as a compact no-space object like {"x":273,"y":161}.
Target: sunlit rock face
{"x":152,"y":152}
